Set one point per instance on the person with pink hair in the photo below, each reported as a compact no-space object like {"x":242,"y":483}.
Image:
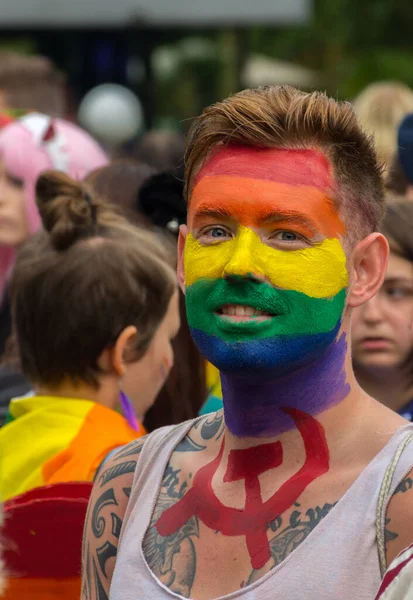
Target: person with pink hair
{"x":29,"y":146}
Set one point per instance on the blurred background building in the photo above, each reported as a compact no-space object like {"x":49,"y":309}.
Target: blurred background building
{"x":179,"y":55}
{"x":175,"y":55}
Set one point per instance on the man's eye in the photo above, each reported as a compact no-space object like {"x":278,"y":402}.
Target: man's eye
{"x":216,"y":232}
{"x":286,"y":236}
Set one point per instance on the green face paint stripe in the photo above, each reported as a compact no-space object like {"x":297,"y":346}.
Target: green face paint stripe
{"x":297,"y":313}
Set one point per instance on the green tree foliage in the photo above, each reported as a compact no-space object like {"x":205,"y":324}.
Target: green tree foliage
{"x":350,"y":42}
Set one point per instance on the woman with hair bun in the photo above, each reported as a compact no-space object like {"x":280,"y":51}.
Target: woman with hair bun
{"x":95,"y":308}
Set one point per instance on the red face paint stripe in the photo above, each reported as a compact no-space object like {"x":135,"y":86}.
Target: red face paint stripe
{"x":296,"y":167}
{"x":253,"y":520}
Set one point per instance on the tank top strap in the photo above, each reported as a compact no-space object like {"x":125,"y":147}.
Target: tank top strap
{"x":399,"y":467}
{"x":154,"y":457}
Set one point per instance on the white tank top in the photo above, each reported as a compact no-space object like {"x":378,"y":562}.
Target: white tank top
{"x":337,"y":561}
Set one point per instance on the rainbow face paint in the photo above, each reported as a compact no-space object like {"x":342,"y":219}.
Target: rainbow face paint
{"x":264,"y":234}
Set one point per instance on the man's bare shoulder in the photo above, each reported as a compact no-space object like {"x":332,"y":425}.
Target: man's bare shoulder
{"x":121,"y":462}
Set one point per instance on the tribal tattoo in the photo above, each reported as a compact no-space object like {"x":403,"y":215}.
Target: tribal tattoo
{"x":104,"y":521}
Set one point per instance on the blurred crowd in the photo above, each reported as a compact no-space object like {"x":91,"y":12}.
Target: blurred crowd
{"x":94,"y":342}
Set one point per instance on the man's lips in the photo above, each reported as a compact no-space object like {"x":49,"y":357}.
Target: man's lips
{"x":242,"y":312}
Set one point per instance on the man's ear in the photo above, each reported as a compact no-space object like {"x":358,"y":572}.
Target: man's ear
{"x":368,"y":267}
{"x":183,"y":230}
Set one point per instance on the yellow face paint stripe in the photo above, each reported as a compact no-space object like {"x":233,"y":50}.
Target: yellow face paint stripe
{"x":318,"y":271}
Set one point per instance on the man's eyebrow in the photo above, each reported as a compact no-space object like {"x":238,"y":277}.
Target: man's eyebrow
{"x":213,"y":213}
{"x":290,"y":217}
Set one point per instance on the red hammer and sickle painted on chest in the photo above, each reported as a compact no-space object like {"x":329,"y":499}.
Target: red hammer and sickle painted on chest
{"x":252,"y":521}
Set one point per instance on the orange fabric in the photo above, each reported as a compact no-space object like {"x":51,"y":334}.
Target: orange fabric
{"x":42,"y":589}
{"x":102,"y":431}
{"x":253,"y":201}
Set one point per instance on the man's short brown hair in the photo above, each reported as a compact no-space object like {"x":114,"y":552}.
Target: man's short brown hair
{"x":283,"y":117}
{"x":32,"y":82}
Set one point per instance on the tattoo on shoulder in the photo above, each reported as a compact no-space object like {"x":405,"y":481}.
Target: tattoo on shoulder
{"x":172,"y":559}
{"x":132,"y":449}
{"x":128,"y":466}
{"x":209,"y":428}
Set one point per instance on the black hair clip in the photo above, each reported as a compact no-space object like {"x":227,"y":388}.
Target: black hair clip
{"x":92,"y":207}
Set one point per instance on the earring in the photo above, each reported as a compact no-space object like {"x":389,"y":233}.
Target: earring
{"x":128,"y":411}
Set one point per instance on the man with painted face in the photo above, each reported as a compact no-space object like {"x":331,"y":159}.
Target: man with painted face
{"x":300,"y":487}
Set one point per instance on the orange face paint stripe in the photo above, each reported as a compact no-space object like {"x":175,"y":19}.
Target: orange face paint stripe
{"x":302,"y":166}
{"x":251,"y":201}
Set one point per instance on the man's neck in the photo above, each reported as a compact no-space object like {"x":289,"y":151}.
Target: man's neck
{"x":259,"y":405}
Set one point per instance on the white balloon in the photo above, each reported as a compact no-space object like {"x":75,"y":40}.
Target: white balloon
{"x":112,"y":113}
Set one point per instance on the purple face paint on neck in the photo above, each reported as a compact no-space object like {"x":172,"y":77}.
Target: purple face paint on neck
{"x":252,"y":403}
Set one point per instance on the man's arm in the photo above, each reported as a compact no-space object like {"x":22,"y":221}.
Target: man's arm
{"x":104,"y":519}
{"x":399,"y":519}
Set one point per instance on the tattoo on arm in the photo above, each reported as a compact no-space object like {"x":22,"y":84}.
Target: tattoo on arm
{"x":121,"y":469}
{"x":104,"y":522}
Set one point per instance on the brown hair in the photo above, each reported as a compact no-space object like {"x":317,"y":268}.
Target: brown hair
{"x":283,"y":117}
{"x":398,"y":227}
{"x":32,"y":83}
{"x":120,"y":182}
{"x":79,"y":283}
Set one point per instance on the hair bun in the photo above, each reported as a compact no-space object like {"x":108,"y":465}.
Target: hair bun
{"x":67,"y":209}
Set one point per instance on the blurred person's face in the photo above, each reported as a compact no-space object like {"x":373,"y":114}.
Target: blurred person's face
{"x":144,"y":379}
{"x":14,"y":227}
{"x":382,"y":334}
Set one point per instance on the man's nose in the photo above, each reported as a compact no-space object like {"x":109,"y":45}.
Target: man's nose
{"x":245,"y":260}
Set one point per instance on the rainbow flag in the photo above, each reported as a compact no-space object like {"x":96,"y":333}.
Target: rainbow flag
{"x":51,"y":440}
{"x":44,"y":529}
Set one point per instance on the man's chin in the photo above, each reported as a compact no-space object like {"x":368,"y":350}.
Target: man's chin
{"x":275,"y":355}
